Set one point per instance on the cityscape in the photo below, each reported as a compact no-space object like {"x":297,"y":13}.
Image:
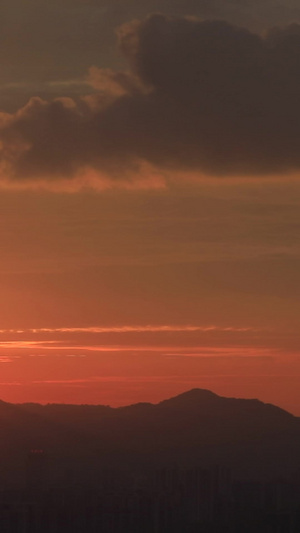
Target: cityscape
{"x":149,"y":266}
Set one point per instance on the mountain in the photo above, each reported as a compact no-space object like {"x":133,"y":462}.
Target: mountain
{"x":196,"y":428}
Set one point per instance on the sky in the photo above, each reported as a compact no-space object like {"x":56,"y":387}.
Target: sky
{"x":149,"y":200}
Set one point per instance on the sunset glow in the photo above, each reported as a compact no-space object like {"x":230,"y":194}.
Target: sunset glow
{"x":149,"y":201}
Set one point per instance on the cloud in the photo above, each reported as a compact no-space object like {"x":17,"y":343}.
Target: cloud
{"x":200,"y":96}
{"x":58,"y":40}
{"x":140,"y":329}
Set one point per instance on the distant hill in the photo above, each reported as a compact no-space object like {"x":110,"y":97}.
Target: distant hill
{"x":196,"y":428}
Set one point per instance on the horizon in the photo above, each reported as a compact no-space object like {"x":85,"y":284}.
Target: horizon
{"x":181,"y":394}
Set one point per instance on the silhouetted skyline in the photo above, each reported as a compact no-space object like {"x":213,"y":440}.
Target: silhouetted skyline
{"x":195,"y":461}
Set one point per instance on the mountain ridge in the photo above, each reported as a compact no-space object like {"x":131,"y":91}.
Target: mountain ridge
{"x":189,"y":396}
{"x":195,"y":428}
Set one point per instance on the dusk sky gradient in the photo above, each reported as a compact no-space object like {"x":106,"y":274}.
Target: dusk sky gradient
{"x":149,"y":200}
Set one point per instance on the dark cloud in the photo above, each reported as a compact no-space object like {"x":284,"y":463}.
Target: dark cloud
{"x":42,"y":41}
{"x":200,"y":95}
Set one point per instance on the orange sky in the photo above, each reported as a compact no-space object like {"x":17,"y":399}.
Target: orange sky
{"x":100,"y":306}
{"x":89,"y":368}
{"x":149,"y":201}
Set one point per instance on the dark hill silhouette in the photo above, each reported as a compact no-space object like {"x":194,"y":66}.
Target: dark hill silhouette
{"x":196,"y":428}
